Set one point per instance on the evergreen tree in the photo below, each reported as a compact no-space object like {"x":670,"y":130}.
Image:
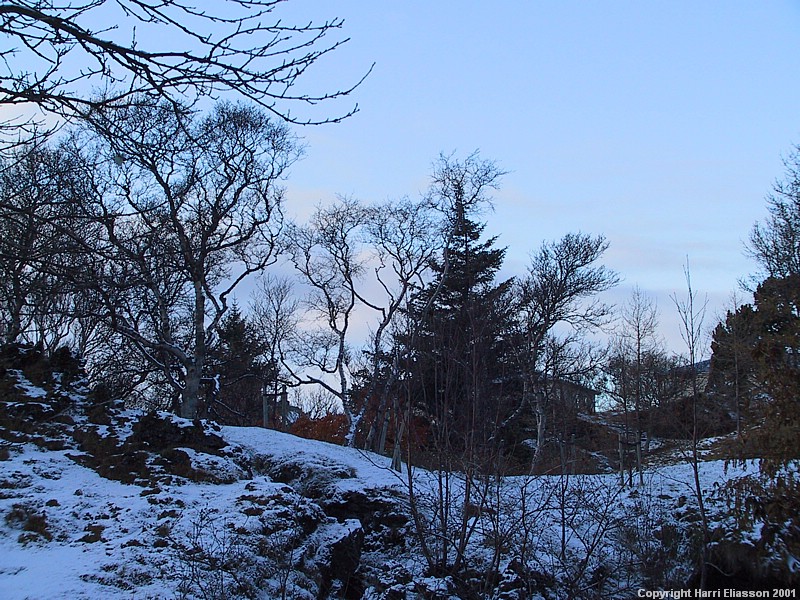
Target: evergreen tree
{"x":777,"y":356}
{"x":461,"y":317}
{"x":732,"y":377}
{"x":237,"y":371}
{"x":756,"y":356}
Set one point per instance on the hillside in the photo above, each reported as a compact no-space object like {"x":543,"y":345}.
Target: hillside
{"x":101,"y":502}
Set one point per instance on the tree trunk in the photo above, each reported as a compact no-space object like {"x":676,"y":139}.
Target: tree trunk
{"x":541,"y":421}
{"x":190,"y":397}
{"x":191,"y":393}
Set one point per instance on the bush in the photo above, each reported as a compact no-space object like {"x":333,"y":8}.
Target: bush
{"x":330,"y":428}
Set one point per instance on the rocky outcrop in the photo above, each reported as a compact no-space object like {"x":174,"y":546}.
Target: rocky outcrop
{"x":299,"y":523}
{"x":37,"y":394}
{"x":362,"y":525}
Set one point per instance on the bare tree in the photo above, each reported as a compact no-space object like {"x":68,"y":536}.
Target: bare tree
{"x":451,"y":343}
{"x":404,"y":235}
{"x":775,"y":244}
{"x":56,"y":57}
{"x":327,"y":254}
{"x":275,"y":314}
{"x":559,"y":290}
{"x":463,"y":185}
{"x":639,"y":325}
{"x":333,"y":254}
{"x":189,"y":208}
{"x":36,"y":216}
{"x":692,"y":313}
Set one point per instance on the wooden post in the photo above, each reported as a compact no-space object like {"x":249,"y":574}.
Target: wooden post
{"x":284,"y":408}
{"x":265,"y":399}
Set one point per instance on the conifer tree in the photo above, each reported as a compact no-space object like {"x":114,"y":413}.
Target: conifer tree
{"x":732,"y":372}
{"x":777,"y":356}
{"x":452,"y":376}
{"x":458,"y":349}
{"x":756,"y":362}
{"x":237,"y":371}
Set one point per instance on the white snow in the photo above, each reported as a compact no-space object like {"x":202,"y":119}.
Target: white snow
{"x":104,"y":535}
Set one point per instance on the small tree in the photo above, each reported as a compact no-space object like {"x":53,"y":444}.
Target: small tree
{"x":404,"y":235}
{"x":638,"y":329}
{"x":333,"y":255}
{"x":327,"y":254}
{"x":559,"y":290}
{"x":274,"y":310}
{"x":692,"y":316}
{"x":239,"y":368}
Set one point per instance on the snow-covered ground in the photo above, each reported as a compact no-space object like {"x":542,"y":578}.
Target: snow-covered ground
{"x":67,"y":532}
{"x":73,"y":532}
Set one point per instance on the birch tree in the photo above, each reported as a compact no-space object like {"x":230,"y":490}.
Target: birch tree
{"x":189,"y":207}
{"x":356,"y":258}
{"x":560,"y":290}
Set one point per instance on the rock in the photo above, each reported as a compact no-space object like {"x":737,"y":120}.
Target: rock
{"x":160,"y":431}
{"x":311,"y":475}
{"x":337,"y":559}
{"x":196,"y":466}
{"x":383,"y":515}
{"x":743,"y":566}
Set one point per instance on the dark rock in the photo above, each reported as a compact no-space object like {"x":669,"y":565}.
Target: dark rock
{"x":98,"y":414}
{"x":312,"y":476}
{"x":383,"y":515}
{"x":219,"y":470}
{"x":156,"y":432}
{"x":64,"y":361}
{"x":742,"y":566}
{"x":127,"y":467}
{"x":371,"y":507}
{"x":337,"y":560}
{"x":92,"y":441}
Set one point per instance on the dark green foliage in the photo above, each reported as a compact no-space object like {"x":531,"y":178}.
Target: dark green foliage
{"x":462,"y":316}
{"x":236,"y":358}
{"x":732,"y":375}
{"x":757,"y":355}
{"x":777,"y":355}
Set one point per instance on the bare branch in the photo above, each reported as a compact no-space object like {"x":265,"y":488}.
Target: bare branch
{"x":54,"y":58}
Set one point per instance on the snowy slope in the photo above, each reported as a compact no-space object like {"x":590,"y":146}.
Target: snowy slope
{"x":66,"y":560}
{"x":97,"y":502}
{"x":106,"y":539}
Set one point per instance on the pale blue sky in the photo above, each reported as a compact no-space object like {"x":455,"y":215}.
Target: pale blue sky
{"x":658,"y":124}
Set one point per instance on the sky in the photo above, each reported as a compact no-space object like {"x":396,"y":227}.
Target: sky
{"x":660,"y":125}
